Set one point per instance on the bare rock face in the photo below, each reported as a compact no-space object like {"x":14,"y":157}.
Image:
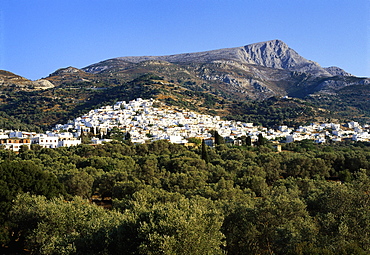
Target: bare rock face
{"x":277,"y":54}
{"x":43,"y":84}
{"x":336,"y":71}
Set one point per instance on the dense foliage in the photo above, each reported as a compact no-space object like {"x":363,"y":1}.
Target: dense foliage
{"x":168,"y":199}
{"x":273,"y":112}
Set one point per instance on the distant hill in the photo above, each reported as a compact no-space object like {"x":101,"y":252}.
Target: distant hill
{"x":8,"y":79}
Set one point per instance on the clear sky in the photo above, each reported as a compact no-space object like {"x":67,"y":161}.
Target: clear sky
{"x":38,"y":37}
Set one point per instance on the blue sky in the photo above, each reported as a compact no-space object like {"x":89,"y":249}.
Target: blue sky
{"x":38,"y":37}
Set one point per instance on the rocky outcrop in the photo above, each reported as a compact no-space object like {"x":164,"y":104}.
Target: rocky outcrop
{"x":43,"y":84}
{"x":277,"y":54}
{"x":336,"y":71}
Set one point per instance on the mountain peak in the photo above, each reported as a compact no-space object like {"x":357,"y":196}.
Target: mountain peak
{"x":66,"y":70}
{"x":275,"y":42}
{"x":277,"y":54}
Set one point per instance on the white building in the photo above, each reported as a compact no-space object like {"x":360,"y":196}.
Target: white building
{"x":15,"y":143}
{"x":45,"y":141}
{"x":69,"y":142}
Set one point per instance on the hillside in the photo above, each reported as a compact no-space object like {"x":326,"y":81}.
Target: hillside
{"x":273,"y":54}
{"x":16,"y":82}
{"x":257,"y":71}
{"x":246,"y":83}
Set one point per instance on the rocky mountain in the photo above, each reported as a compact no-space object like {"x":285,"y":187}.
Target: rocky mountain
{"x":249,"y":83}
{"x":255,"y":71}
{"x":273,"y":54}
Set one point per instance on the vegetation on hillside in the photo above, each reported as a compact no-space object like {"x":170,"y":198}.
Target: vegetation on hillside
{"x":350,"y":101}
{"x":273,"y":112}
{"x":43,"y":109}
{"x":231,"y":90}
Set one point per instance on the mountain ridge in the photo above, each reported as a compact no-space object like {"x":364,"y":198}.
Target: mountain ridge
{"x":255,"y":71}
{"x":273,"y":54}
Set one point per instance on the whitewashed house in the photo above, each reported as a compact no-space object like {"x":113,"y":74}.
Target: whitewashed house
{"x":45,"y":141}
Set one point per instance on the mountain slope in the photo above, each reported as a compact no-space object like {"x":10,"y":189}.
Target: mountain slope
{"x":8,"y":79}
{"x":277,"y":54}
{"x":255,"y":71}
{"x":248,"y":83}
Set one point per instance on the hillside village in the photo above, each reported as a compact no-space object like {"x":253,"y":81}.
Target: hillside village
{"x":144,"y":122}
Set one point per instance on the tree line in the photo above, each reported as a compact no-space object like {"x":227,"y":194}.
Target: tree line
{"x":170,"y":199}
